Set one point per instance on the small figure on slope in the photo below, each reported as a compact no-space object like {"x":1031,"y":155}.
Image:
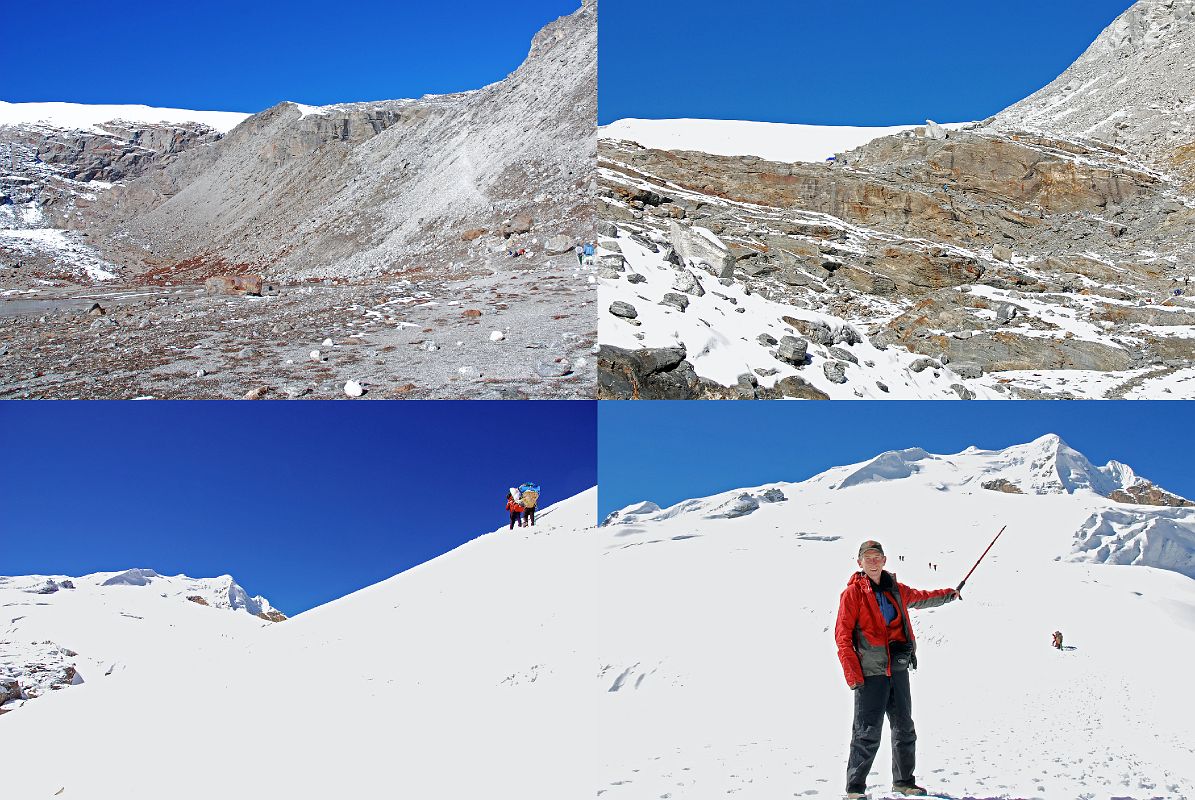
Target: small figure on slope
{"x":1057,"y":643}
{"x":530,"y":499}
{"x":515,"y":508}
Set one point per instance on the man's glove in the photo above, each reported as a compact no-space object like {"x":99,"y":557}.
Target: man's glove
{"x":956,"y":594}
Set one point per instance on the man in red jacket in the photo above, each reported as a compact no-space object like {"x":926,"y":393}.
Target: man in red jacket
{"x":877,"y":649}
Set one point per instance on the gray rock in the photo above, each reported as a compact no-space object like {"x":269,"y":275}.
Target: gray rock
{"x":635,"y":277}
{"x":883,"y":387}
{"x":613,"y":261}
{"x":698,"y":248}
{"x":553,"y":369}
{"x":922,"y":364}
{"x":842,"y":354}
{"x":1002,"y":253}
{"x":677,"y":301}
{"x":967,"y":371}
{"x":962,"y":391}
{"x":620,"y":308}
{"x":645,"y":243}
{"x":607,"y":228}
{"x":847,"y":335}
{"x":835,"y":371}
{"x":645,"y":374}
{"x":772,"y":495}
{"x":746,"y":386}
{"x":555,"y":245}
{"x":935,"y":131}
{"x":688,"y":283}
{"x":792,"y":350}
{"x":766,"y":339}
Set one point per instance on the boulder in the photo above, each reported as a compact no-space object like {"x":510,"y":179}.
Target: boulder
{"x":835,"y":371}
{"x":621,"y":308}
{"x":519,"y":223}
{"x":558,"y":244}
{"x":699,"y":246}
{"x":677,"y":301}
{"x":472,"y":233}
{"x":645,"y":374}
{"x":233,"y":285}
{"x":792,"y":350}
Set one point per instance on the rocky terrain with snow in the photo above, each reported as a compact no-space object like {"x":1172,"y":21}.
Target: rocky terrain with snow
{"x":1033,"y":254}
{"x":719,"y":669}
{"x":336,"y":217}
{"x":469,"y":675}
{"x":61,"y":631}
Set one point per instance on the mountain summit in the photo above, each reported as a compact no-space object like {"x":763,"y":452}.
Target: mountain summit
{"x":1131,"y":88}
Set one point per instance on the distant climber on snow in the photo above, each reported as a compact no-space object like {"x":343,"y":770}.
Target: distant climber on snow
{"x":529,"y":492}
{"x":580,"y":251}
{"x":1057,"y":643}
{"x":877,"y":649}
{"x":516,"y":510}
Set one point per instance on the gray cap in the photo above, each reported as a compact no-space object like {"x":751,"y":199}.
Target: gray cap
{"x":870,"y":544}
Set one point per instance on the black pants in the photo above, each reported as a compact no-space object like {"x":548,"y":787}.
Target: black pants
{"x":529,"y":515}
{"x":514,"y":517}
{"x":880,"y":695}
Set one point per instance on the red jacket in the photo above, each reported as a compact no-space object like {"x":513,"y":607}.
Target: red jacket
{"x":861,"y":633}
{"x":511,"y":505}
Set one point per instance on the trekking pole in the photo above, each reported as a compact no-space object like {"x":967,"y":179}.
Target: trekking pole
{"x":959,"y":588}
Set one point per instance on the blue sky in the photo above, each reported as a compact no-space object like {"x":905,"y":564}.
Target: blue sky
{"x":300,"y":502}
{"x":222,"y":55}
{"x":671,"y":451}
{"x":852,"y":62}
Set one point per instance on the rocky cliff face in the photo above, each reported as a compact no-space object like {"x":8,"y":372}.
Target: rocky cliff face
{"x":1130,"y":89}
{"x":1026,"y":243}
{"x":365,"y":188}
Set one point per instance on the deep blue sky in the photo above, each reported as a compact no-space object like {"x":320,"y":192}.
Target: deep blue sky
{"x":851,"y":62}
{"x":222,"y":55}
{"x":671,"y":451}
{"x":300,"y":502}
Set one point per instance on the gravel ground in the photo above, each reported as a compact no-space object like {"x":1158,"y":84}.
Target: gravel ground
{"x":413,"y":336}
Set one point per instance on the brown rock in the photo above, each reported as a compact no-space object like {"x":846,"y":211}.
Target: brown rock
{"x":472,"y":234}
{"x":233,"y":285}
{"x":471,"y":312}
{"x":197,"y":599}
{"x":258,"y":393}
{"x":272,"y":616}
{"x":1002,"y":485}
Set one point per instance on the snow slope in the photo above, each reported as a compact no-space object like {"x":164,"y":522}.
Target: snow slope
{"x":75,"y":630}
{"x":720,"y":332}
{"x":467,"y":676}
{"x":81,"y":116}
{"x":719,"y":670}
{"x":774,"y":141}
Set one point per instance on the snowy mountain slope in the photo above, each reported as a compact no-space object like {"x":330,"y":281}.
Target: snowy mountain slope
{"x":775,"y":141}
{"x":92,"y":117}
{"x":719,"y":669}
{"x":1131,"y":88}
{"x":1048,"y":247}
{"x":464,"y":677}
{"x":730,"y":333}
{"x":58,"y":631}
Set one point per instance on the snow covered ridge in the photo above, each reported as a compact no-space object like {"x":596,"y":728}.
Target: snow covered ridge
{"x":1127,"y":519}
{"x":775,"y":141}
{"x":89,"y":117}
{"x":718,"y":670}
{"x":482,"y":656}
{"x":65,"y":631}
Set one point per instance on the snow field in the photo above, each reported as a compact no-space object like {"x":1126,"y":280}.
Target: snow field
{"x":735,"y":686}
{"x":464,"y":674}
